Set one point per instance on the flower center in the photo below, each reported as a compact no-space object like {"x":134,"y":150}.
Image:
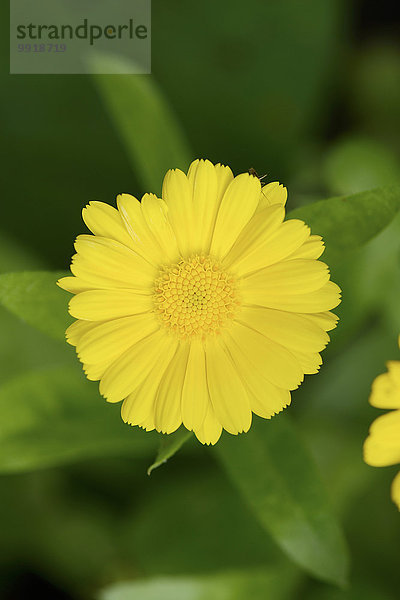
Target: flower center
{"x":195,"y":297}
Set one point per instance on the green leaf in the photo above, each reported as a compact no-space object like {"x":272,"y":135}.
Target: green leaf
{"x":357,"y":163}
{"x":275,"y":582}
{"x":34,"y":297}
{"x":348,"y":222}
{"x":276,"y":475}
{"x":367,"y":589}
{"x":168,"y":446}
{"x":23,"y":348}
{"x":180,"y":527}
{"x":153,"y":138}
{"x":218,"y":79}
{"x":55,"y":415}
{"x":15,"y":255}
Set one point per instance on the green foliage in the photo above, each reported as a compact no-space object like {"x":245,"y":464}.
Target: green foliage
{"x":14,"y":256}
{"x":297,"y":516}
{"x":361,"y":590}
{"x":152,"y":136}
{"x":275,"y":582}
{"x":168,"y":446}
{"x":298,"y":98}
{"x":199,"y":507}
{"x":328,"y":402}
{"x":375,"y":90}
{"x":355,"y":164}
{"x":55,"y":415}
{"x":273,"y":470}
{"x":348,"y":222}
{"x":249,"y":89}
{"x":34,"y":297}
{"x":23,"y":348}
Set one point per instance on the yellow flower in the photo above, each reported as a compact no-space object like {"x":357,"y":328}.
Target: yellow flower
{"x":382,"y":446}
{"x":201,"y":307}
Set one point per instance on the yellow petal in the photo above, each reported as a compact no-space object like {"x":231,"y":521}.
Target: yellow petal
{"x":203,"y":180}
{"x":288,"y":329}
{"x":313,"y":247}
{"x":194,"y":165}
{"x":100,"y":305}
{"x":109,"y":340}
{"x":77,"y":330}
{"x":141,"y":237}
{"x":96,"y":372}
{"x":75,"y":285}
{"x":167,"y":408}
{"x":385,"y":392}
{"x":321,"y":300}
{"x":102,"y":258}
{"x":127,"y":373}
{"x":92,"y":280}
{"x":394,"y":371}
{"x":266,"y":399}
{"x":177,"y":194}
{"x":155,"y":212}
{"x":310,"y":362}
{"x":237,"y":207}
{"x":138,"y":407}
{"x":257,"y":231}
{"x":229,"y":398}
{"x":271,"y":360}
{"x":195,"y":396}
{"x":395,"y":490}
{"x":272,"y":193}
{"x":224,"y":178}
{"x":148,"y":423}
{"x":326,"y":320}
{"x":282,"y":242}
{"x":105,"y":221}
{"x":211,"y":429}
{"x":382,"y":447}
{"x":271,"y":401}
{"x":298,"y":276}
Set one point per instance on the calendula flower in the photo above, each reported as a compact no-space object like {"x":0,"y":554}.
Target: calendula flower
{"x":201,"y":307}
{"x":382,"y":446}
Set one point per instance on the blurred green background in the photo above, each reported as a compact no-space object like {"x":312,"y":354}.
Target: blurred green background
{"x":308,"y":92}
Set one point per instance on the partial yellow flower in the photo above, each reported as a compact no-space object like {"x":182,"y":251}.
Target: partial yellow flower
{"x":202,"y":307}
{"x":382,"y":446}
